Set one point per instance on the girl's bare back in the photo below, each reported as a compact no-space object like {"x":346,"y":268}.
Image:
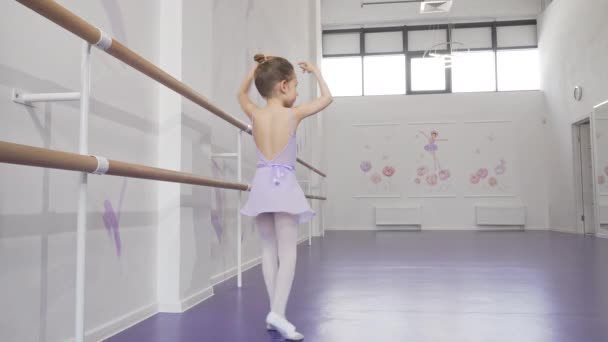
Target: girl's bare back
{"x":272,"y":130}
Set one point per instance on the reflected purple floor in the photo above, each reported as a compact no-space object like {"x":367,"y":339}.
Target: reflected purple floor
{"x":404,"y":286}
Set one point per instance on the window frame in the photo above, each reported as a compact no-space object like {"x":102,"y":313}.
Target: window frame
{"x":409,"y":54}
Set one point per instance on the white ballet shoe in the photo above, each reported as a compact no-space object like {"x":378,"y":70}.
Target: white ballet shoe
{"x":286,"y":329}
{"x":270,"y":327}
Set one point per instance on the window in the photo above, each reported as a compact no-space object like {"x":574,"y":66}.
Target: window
{"x":516,"y":36}
{"x":420,"y":40}
{"x":428,"y":74}
{"x":384,"y":75}
{"x":518,"y":70}
{"x":461,"y":57}
{"x":473,"y":37}
{"x":384,"y":42}
{"x":474,"y":71}
{"x":341,"y":43}
{"x":343,"y":75}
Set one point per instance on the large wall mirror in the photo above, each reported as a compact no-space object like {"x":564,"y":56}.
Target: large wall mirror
{"x":599,"y":123}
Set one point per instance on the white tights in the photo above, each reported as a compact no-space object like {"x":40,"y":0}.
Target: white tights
{"x":279,"y":235}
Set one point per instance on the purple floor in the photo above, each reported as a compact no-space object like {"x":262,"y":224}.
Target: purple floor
{"x":418,"y":287}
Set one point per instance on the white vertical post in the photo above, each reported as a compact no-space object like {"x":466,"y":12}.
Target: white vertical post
{"x":239,"y":223}
{"x":322,"y":207}
{"x":170,"y":251}
{"x":309,"y":222}
{"x":83,"y":148}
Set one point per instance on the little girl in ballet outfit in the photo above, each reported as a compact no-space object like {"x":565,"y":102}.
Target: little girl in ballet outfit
{"x":276,"y":199}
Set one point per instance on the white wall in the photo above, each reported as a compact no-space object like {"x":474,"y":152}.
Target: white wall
{"x":525,"y":110}
{"x":38,"y":206}
{"x":573,"y":49}
{"x":349,"y":12}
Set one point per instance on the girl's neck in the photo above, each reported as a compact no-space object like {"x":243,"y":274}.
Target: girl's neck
{"x":274,"y":103}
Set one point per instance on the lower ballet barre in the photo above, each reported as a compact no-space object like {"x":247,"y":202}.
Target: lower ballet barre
{"x":11,"y":153}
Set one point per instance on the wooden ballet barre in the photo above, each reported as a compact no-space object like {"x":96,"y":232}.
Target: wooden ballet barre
{"x":93,"y":35}
{"x":42,"y":157}
{"x":312,"y":168}
{"x":11,"y":153}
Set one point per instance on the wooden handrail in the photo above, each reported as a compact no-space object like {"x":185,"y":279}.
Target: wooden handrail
{"x":312,"y":168}
{"x":41,"y":157}
{"x":78,"y":26}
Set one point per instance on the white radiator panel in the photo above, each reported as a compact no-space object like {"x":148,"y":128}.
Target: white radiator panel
{"x":500,"y":215}
{"x":399,"y":216}
{"x":604,"y":214}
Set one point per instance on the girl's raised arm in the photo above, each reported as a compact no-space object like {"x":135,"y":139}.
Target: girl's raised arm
{"x":243,"y":95}
{"x":319,"y":103}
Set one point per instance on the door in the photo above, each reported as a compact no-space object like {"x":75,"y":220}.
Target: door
{"x":587,"y":177}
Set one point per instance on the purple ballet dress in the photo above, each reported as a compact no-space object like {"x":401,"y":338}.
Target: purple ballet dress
{"x":275,"y":188}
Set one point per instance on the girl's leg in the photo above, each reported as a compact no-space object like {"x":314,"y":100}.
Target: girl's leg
{"x":265,"y":226}
{"x":287,"y":237}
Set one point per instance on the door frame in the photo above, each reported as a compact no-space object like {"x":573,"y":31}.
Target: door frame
{"x":576,"y":165}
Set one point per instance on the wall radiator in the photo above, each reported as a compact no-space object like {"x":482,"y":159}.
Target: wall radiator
{"x":399,"y":216}
{"x":603,"y":214}
{"x":500,"y":215}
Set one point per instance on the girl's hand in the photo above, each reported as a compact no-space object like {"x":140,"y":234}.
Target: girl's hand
{"x":307,"y":67}
{"x":254,"y":68}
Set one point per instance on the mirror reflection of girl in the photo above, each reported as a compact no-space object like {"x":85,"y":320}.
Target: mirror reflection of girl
{"x":276,"y":199}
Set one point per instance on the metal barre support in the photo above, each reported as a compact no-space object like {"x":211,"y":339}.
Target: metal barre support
{"x":21,"y":97}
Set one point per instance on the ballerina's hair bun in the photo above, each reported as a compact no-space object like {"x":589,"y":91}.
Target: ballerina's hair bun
{"x":261,"y":58}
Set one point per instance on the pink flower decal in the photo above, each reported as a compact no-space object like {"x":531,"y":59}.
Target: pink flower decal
{"x":601,"y":179}
{"x":444,"y":174}
{"x":431,"y":179}
{"x":501,"y":168}
{"x":482,"y":173}
{"x":422,"y":171}
{"x":365,"y":166}
{"x":474,"y":179}
{"x":417,"y":180}
{"x":375,"y":178}
{"x":492,"y":181}
{"x":388,"y":171}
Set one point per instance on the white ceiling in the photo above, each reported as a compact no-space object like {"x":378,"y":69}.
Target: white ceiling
{"x":346,"y":13}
